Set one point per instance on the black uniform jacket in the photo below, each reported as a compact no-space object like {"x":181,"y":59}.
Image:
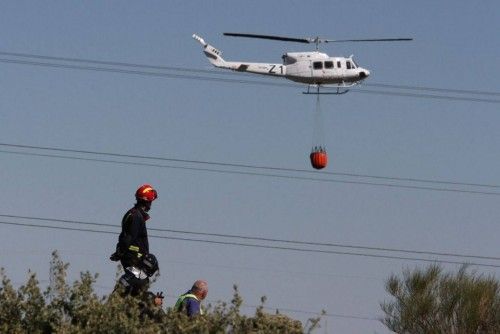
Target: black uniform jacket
{"x":134,"y":235}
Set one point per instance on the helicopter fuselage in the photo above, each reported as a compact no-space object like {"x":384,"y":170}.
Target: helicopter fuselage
{"x":311,"y":68}
{"x":320,"y":69}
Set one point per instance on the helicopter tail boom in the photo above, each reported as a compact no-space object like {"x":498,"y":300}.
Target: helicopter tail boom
{"x":215,"y":58}
{"x":214,"y":55}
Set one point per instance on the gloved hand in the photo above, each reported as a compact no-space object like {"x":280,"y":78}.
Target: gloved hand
{"x":158,"y":301}
{"x":115,"y":257}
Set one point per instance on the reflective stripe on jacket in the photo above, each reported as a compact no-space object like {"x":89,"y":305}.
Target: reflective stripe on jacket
{"x":179,"y":304}
{"x":134,"y":235}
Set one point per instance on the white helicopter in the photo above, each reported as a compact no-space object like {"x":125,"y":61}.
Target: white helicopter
{"x":314,"y":68}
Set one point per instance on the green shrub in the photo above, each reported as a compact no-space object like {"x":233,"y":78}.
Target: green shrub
{"x":431,"y":301}
{"x":62,"y":308}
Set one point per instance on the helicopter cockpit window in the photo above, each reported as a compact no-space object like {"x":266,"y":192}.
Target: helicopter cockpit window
{"x":318,"y":65}
{"x":348,"y":65}
{"x":288,"y":60}
{"x":328,"y":64}
{"x":354,"y":63}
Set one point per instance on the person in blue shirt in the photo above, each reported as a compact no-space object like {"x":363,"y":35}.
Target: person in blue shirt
{"x":190,"y":302}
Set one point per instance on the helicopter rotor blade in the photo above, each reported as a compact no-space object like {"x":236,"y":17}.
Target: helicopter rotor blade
{"x":272,"y":37}
{"x":367,"y":40}
{"x":315,"y":40}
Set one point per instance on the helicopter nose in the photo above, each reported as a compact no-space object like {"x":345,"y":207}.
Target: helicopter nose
{"x":363,"y":74}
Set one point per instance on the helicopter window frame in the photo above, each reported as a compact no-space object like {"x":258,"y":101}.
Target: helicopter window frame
{"x":339,"y":64}
{"x":348,"y":64}
{"x":328,"y":64}
{"x":287,"y":60}
{"x":317,"y":65}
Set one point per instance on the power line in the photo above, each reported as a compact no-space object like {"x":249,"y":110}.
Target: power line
{"x":228,"y":243}
{"x":81,"y":251}
{"x":475,"y":192}
{"x":433,"y":89}
{"x":143,"y":73}
{"x":291,"y":310}
{"x":271,"y":175}
{"x":227,"y":80}
{"x":243,"y":172}
{"x":184,"y":69}
{"x":269,"y":308}
{"x":401,"y":186}
{"x":112,"y":63}
{"x":272,"y":240}
{"x":225,"y":164}
{"x":326,"y":314}
{"x":39,"y":252}
{"x":295,"y":273}
{"x":426,"y":96}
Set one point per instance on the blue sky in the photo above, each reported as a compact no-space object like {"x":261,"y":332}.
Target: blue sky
{"x":455,"y":46}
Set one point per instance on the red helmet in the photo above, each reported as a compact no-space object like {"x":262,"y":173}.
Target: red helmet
{"x":146,"y":193}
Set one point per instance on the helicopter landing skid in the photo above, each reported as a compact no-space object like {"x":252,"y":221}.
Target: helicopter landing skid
{"x":340,"y":90}
{"x":326,"y":93}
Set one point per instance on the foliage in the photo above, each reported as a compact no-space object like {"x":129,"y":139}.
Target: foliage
{"x":76,"y":308}
{"x":431,"y":301}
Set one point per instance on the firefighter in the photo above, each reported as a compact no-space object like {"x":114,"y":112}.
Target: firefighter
{"x":132,"y":249}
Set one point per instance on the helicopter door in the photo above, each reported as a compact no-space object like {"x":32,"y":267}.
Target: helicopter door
{"x":350,"y":72}
{"x":340,"y":66}
{"x":317,"y":70}
{"x":329,"y":70}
